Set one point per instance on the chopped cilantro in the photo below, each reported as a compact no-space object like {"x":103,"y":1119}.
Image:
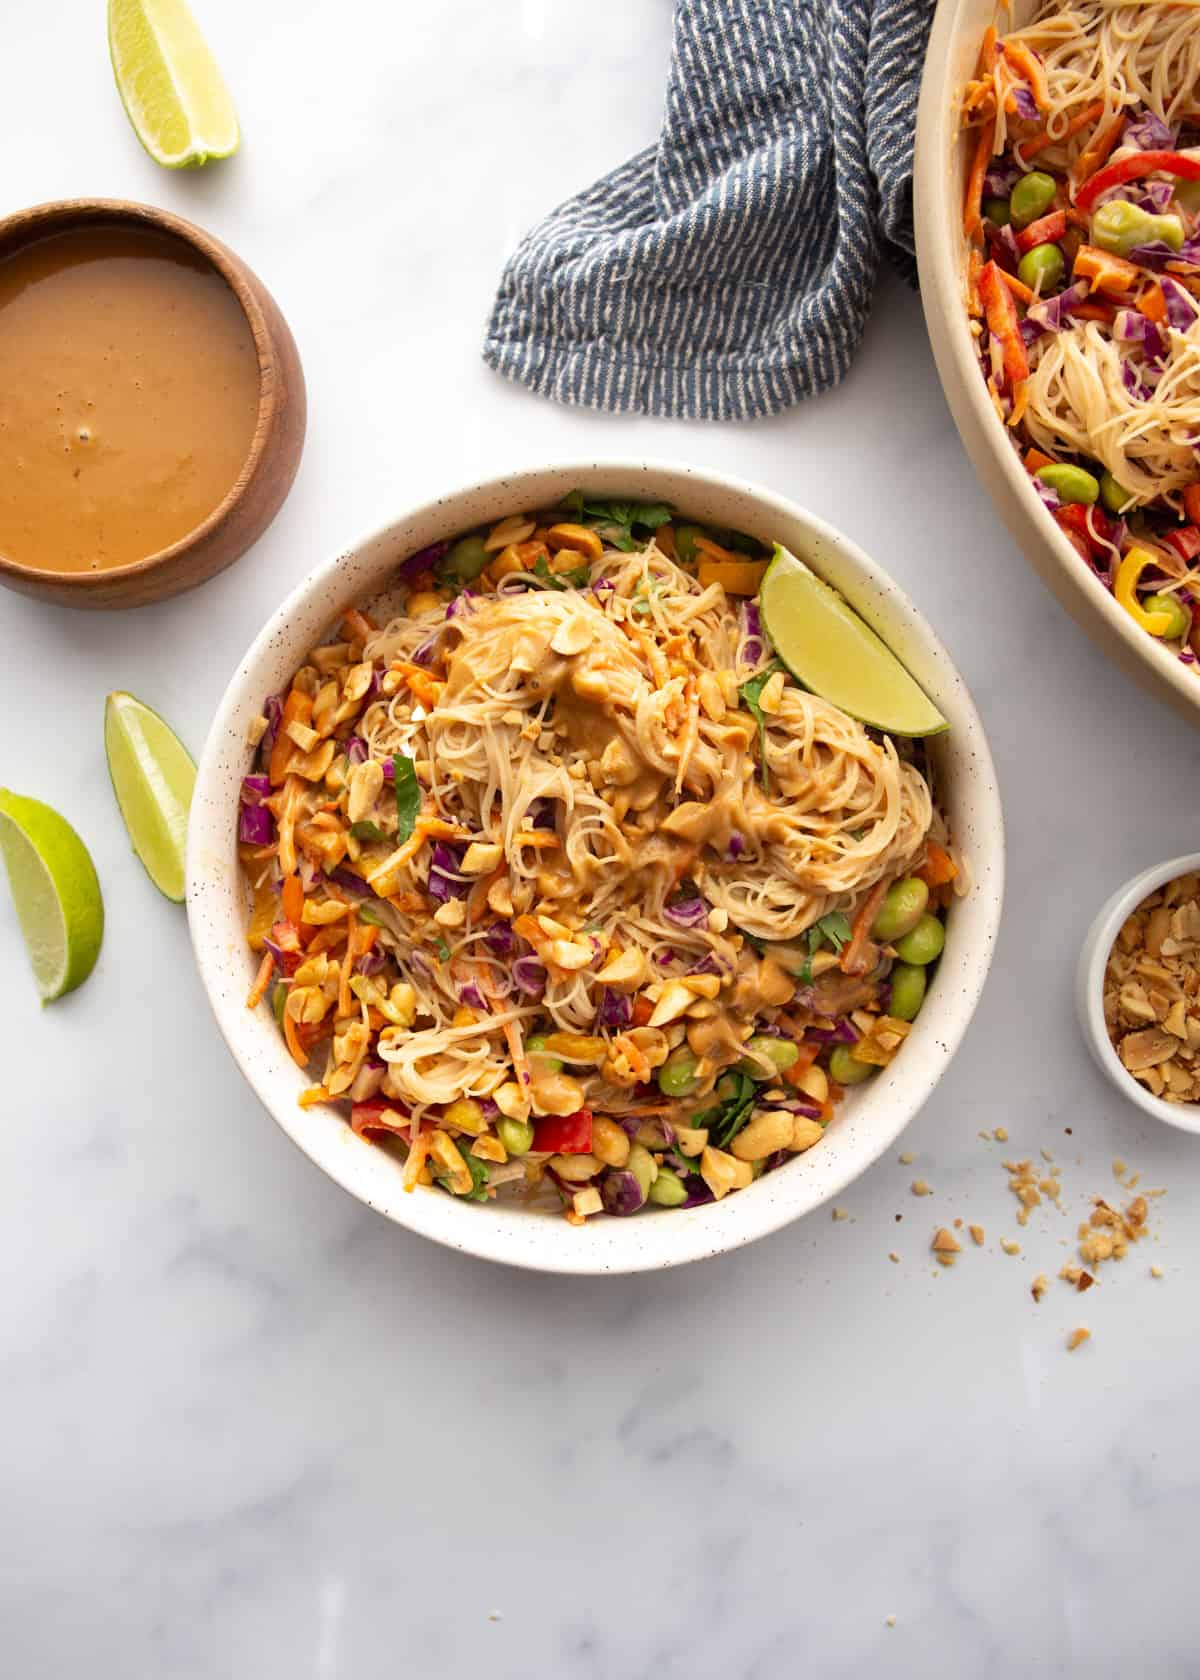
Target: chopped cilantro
{"x":751,"y":693}
{"x":615,"y":522}
{"x":443,"y":950}
{"x":408,"y":797}
{"x":833,"y":930}
{"x":479,"y":1177}
{"x":367,"y":830}
{"x":575,"y":579}
{"x":737,"y":1091}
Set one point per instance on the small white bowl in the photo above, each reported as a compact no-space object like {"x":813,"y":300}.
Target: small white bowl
{"x":871,"y":1118}
{"x":1089,"y":990}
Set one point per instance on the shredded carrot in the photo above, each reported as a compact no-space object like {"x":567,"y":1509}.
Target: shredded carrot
{"x":1035,"y":460}
{"x":1191,"y":502}
{"x":853,"y":959}
{"x":1152,"y":304}
{"x":262,"y":980}
{"x":1093,"y":155}
{"x":1091,"y":311}
{"x":808,"y":1054}
{"x":939,"y":867}
{"x":314,"y":1095}
{"x":713,"y":550}
{"x":1031,"y":69}
{"x":973,"y":204}
{"x":420,"y":684}
{"x":1108,"y":273}
{"x":642,"y":1010}
{"x":1023,"y":293}
{"x":292,"y":899}
{"x":356,"y":626}
{"x":974,"y":269}
{"x":987,"y":51}
{"x":540,"y":839}
{"x":297,"y":708}
{"x":297,"y":1051}
{"x":1025,"y":149}
{"x":477,"y":897}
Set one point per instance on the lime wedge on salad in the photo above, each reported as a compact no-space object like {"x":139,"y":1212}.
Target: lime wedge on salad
{"x":827,"y":647}
{"x":152,"y":777}
{"x":170,"y":86}
{"x":55,"y":892}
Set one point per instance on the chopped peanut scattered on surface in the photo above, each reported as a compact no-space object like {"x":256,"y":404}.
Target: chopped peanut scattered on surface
{"x":976,"y":1235}
{"x":1039,"y":1286}
{"x":1077,"y":1338}
{"x":920,"y":1188}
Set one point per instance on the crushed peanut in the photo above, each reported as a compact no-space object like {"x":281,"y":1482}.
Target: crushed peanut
{"x":977,"y":1234}
{"x":1029,"y":1187}
{"x":920,"y":1188}
{"x":1000,"y":1135}
{"x":1152,"y":993}
{"x":945,"y":1246}
{"x":1039,"y":1286}
{"x":1010,"y":1247}
{"x":1077,"y":1338}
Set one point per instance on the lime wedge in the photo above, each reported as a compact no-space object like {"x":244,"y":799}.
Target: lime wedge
{"x":55,"y":891}
{"x":828,"y":648}
{"x":170,"y":86}
{"x":152,"y":777}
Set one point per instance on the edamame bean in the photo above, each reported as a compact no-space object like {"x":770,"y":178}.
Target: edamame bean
{"x":685,"y":542}
{"x":1113,"y":495}
{"x":279,"y":997}
{"x":924,"y":944}
{"x":467,"y":558}
{"x":1031,"y":197}
{"x":546,"y":1063}
{"x":668,"y":1189}
{"x":780,"y":1052}
{"x":1181,"y":618}
{"x":1118,"y":226}
{"x":908,"y":991}
{"x":997,"y":212}
{"x":1042,"y":268}
{"x":1073,"y":484}
{"x":643,"y":1166}
{"x":902,"y":908}
{"x":677,"y":1075}
{"x":515,"y":1135}
{"x":844,"y":1069}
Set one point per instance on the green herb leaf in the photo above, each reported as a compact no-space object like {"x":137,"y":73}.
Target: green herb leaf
{"x":750,"y":693}
{"x":735,"y":1109}
{"x":479,"y":1176}
{"x":279,"y":997}
{"x":443,"y":950}
{"x":651,"y":515}
{"x":367,"y":831}
{"x":615,"y":521}
{"x":541,"y":569}
{"x":408,"y":797}
{"x":835,"y":929}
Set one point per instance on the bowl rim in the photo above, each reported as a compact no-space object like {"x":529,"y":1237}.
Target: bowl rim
{"x":941,"y":265}
{"x":1093,"y":961}
{"x":524,"y":1239}
{"x":41,"y":221}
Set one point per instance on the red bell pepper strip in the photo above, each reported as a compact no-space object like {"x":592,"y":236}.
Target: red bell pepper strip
{"x":1047,"y":231}
{"x":378,"y":1115}
{"x":1001,"y":314}
{"x":1089,"y":524}
{"x":564,"y":1134}
{"x":287,"y":937}
{"x":1132,"y":168}
{"x":1185,"y":541}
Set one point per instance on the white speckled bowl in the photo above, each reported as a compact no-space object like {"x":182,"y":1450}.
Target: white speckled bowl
{"x":939,"y":177}
{"x":872,"y":1116}
{"x":1089,"y":990}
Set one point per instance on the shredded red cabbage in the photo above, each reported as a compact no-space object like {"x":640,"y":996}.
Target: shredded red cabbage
{"x":1149,"y":133}
{"x":1025,"y":103}
{"x":621,"y":1191}
{"x":443,"y":868}
{"x":530,"y":976}
{"x":471,"y":996}
{"x":371,"y":962}
{"x":255,"y":789}
{"x":1001,"y":178}
{"x":357,"y":751}
{"x":273,"y":712}
{"x":1182,"y":308}
{"x":424,"y":560}
{"x":1052,"y":315}
{"x":500,"y":939}
{"x":256,"y":826}
{"x":687,"y":912}
{"x":615,"y":1010}
{"x":349,"y":881}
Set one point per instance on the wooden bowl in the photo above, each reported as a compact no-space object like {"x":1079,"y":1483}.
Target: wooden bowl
{"x":274,"y":455}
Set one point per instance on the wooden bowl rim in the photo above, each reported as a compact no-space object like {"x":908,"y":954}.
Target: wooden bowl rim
{"x":59,"y":216}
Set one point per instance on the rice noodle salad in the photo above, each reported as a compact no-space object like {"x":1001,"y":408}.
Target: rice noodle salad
{"x":1083,"y":222}
{"x":562,"y":883}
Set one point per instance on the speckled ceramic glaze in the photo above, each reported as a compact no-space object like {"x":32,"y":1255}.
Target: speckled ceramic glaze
{"x":1089,"y":990}
{"x":871,"y":1118}
{"x":939,"y":179}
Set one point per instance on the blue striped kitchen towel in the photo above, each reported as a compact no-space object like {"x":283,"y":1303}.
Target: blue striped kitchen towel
{"x":726,"y":273}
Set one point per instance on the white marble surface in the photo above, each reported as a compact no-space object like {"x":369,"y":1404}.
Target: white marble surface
{"x":252,"y":1429}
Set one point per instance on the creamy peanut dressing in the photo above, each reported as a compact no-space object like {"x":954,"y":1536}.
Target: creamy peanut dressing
{"x":128,"y":397}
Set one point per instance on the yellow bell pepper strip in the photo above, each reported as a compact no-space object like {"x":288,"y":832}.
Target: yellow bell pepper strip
{"x":736,"y":577}
{"x":1133,"y":564}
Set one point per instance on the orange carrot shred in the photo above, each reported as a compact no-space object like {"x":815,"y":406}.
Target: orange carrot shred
{"x":297,"y":1051}
{"x":973,"y":205}
{"x":262,"y":980}
{"x":1025,"y":149}
{"x":292,"y":898}
{"x":853,"y":958}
